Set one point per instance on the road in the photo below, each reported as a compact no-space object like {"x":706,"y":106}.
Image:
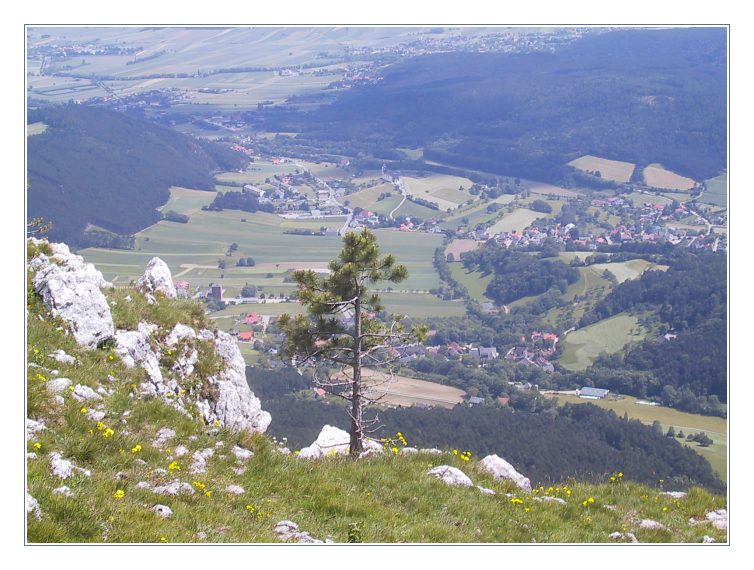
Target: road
{"x":402,"y":188}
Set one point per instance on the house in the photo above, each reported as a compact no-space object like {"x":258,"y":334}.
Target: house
{"x":215,"y":292}
{"x":504,"y":400}
{"x":589,"y":393}
{"x":488,"y":353}
{"x":251,"y":319}
{"x":333,"y":232}
{"x":319,"y":393}
{"x":475,"y":401}
{"x":246,"y":336}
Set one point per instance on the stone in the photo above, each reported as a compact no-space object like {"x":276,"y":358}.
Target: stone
{"x":163,"y":435}
{"x":96,"y":415}
{"x":431,"y":451}
{"x":33,"y":428}
{"x":72,"y":290}
{"x":485,"y":490}
{"x":179,"y":333}
{"x":157,"y":279}
{"x":236,"y":406}
{"x":550,"y":500}
{"x":719,"y":519}
{"x":626,"y":537}
{"x":288,"y":530}
{"x":501,"y":469}
{"x":199,"y":464}
{"x":163,"y":510}
{"x":674,"y":494}
{"x":241,"y":453}
{"x":708,"y":540}
{"x":58,"y":385}
{"x":409,"y":450}
{"x":85,"y":394}
{"x":239,"y":470}
{"x":235,"y":489}
{"x":65,"y":468}
{"x":64,"y":490}
{"x":61,"y":356}
{"x":649,"y":524}
{"x":134,"y":348}
{"x":31,"y":455}
{"x":333,"y":441}
{"x":174,"y":488}
{"x":450,"y":475}
{"x":32,"y":507}
{"x":180,"y":451}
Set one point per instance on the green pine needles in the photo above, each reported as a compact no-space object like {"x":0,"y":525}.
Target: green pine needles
{"x":342,"y":331}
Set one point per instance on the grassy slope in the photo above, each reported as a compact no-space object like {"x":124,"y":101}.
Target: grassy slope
{"x":390,"y":498}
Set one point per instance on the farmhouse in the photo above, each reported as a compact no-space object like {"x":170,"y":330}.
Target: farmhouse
{"x":589,"y":393}
{"x":245,"y":336}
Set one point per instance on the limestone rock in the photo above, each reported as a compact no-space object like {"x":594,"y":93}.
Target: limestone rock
{"x":235,"y":406}
{"x":674,"y":494}
{"x":163,"y":435}
{"x":174,"y":488}
{"x":708,"y":540}
{"x":624,"y":536}
{"x":32,"y":507}
{"x":71,"y":290}
{"x":719,"y":519}
{"x":65,"y":468}
{"x":85,"y":393}
{"x":33,"y":427}
{"x":157,"y":278}
{"x":550,"y":500}
{"x":61,"y":356}
{"x":332,"y":440}
{"x":64,"y":490}
{"x":288,"y":530}
{"x":95,"y":415}
{"x":649,"y":524}
{"x":180,"y":451}
{"x":134,"y":348}
{"x":235,"y":489}
{"x":450,"y":475}
{"x":485,"y":490}
{"x":163,"y":510}
{"x":58,"y":385}
{"x":241,"y":453}
{"x":501,"y":469}
{"x":199,"y":464}
{"x":179,"y":333}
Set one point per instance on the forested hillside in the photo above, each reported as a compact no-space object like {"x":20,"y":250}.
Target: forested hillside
{"x":643,"y":96}
{"x":99,"y":167}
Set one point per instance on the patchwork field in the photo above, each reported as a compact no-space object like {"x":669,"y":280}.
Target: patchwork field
{"x":439,"y":188}
{"x":545,"y":189}
{"x":459,"y":246}
{"x":626,"y":270}
{"x":257,"y":172}
{"x":609,"y":169}
{"x":368,"y":199}
{"x":717,"y":191}
{"x":194,"y":250}
{"x":404,"y":391}
{"x":715,"y":428}
{"x":474,"y":281}
{"x":658,"y":177}
{"x":639,"y":198}
{"x":582,"y":346}
{"x":517,"y":220}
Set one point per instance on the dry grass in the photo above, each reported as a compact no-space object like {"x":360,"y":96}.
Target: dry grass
{"x":609,"y":169}
{"x":459,"y":246}
{"x":658,"y":177}
{"x":404,"y":391}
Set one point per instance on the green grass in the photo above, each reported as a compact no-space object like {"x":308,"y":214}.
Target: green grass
{"x":717,"y":191}
{"x":517,"y":220}
{"x":716,"y":428}
{"x":389,"y":498}
{"x":582,"y":346}
{"x":474,"y":281}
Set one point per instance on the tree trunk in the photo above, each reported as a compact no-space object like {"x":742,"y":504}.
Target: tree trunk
{"x":357,"y":423}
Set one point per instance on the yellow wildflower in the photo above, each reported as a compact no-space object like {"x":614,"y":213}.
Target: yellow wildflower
{"x":136,"y":448}
{"x":394,"y":450}
{"x":217,"y":423}
{"x":37,"y":445}
{"x":108,"y":433}
{"x":590,"y":500}
{"x":100,"y":426}
{"x":119,"y":494}
{"x":199,"y":485}
{"x":174,"y":466}
{"x":208,"y":493}
{"x":83,"y":410}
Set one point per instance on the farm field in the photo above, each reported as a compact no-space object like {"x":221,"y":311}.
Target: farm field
{"x":413,"y":210}
{"x":193,"y":250}
{"x":546,"y":189}
{"x":35,"y":128}
{"x":439,"y":188}
{"x":257,"y":172}
{"x":626,"y":270}
{"x":421,"y":305}
{"x":715,"y":428}
{"x":639,"y":198}
{"x":609,"y":169}
{"x":475,"y":282}
{"x":517,"y":220}
{"x":582,"y":346}
{"x":658,"y":177}
{"x":404,"y":391}
{"x":187,"y":200}
{"x":459,"y":246}
{"x":475,"y":213}
{"x":717,"y":191}
{"x":367,"y":199}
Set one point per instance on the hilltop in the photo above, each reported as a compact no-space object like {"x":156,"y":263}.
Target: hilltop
{"x":141,"y":428}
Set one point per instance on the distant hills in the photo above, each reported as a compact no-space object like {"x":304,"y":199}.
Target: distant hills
{"x":643,"y":96}
{"x":94,"y":167}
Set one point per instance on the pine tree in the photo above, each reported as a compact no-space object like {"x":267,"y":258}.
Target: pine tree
{"x":339,"y":329}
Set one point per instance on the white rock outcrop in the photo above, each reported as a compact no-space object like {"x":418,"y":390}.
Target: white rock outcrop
{"x":163,"y":510}
{"x":32,"y":507}
{"x":719,"y":519}
{"x":331,"y":441}
{"x":624,"y":536}
{"x":235,"y":405}
{"x":85,"y":394}
{"x":450,"y":476}
{"x":65,"y":468}
{"x":650,"y":524}
{"x":235,"y":490}
{"x":62,"y":357}
{"x":157,"y":278}
{"x":71,"y":290}
{"x":288,"y":530}
{"x":199,"y":460}
{"x":501,"y":469}
{"x":58,"y":385}
{"x":65,"y":490}
{"x":134,"y":348}
{"x":241,"y":453}
{"x":163,"y":435}
{"x":33,"y":427}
